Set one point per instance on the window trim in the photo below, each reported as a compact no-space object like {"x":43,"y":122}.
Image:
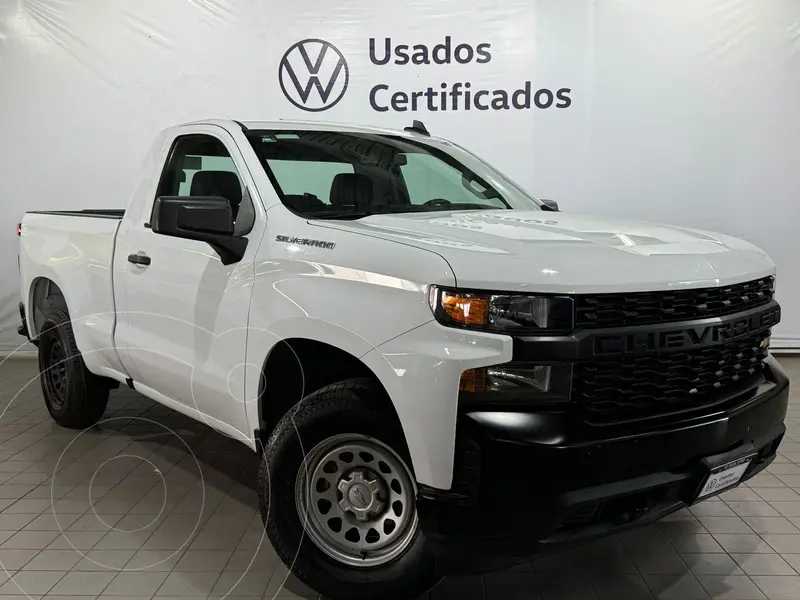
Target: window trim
{"x":253,"y":139}
{"x":246,"y":196}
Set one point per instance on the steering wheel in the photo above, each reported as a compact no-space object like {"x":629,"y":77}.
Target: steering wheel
{"x":438,"y":202}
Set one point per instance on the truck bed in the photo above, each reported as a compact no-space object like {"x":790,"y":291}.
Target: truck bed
{"x":97,"y":213}
{"x":78,"y":256}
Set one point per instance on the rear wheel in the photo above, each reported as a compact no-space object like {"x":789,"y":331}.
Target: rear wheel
{"x":74,"y":397}
{"x":339,"y":499}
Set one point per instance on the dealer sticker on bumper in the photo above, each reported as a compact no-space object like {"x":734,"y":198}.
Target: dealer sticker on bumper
{"x":725,"y":476}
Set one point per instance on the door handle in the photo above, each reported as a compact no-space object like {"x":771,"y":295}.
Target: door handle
{"x":140,"y":258}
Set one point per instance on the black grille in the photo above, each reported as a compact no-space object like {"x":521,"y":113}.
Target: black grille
{"x":613,"y":310}
{"x":650,"y":386}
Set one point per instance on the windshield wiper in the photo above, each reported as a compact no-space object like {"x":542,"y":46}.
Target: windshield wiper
{"x":338,"y":214}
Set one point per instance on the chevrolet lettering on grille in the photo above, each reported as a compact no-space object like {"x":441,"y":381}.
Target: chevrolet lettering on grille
{"x":686,"y":336}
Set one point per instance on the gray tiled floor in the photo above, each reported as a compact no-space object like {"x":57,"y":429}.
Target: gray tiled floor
{"x":153,"y":505}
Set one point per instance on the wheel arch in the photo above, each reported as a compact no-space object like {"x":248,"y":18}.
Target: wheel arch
{"x":297,"y":366}
{"x":45,"y":294}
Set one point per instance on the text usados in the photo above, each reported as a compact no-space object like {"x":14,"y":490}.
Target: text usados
{"x":453,"y":96}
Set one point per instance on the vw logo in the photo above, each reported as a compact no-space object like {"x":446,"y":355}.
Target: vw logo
{"x":313,"y":75}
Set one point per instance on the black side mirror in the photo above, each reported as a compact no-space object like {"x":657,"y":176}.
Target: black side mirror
{"x":549,"y":205}
{"x":203,"y":218}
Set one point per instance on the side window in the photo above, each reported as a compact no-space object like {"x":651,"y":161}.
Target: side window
{"x":200,"y":165}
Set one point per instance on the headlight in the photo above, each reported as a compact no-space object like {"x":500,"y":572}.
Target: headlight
{"x":506,"y":313}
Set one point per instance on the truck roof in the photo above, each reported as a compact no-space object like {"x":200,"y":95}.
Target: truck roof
{"x":290,"y":125}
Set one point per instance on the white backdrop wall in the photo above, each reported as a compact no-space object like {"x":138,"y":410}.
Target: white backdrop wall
{"x":677,"y":111}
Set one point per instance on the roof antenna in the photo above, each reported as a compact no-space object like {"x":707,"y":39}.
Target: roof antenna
{"x":417,"y":127}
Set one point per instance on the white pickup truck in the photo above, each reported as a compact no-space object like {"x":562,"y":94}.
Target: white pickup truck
{"x":440,"y":371}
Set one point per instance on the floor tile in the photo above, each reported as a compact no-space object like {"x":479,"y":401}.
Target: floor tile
{"x":204,"y":560}
{"x":154,"y":560}
{"x":33,"y":506}
{"x":553,"y":586}
{"x":511,"y":586}
{"x":753,"y":509}
{"x":787,"y":509}
{"x":617,"y":586}
{"x":14,"y":522}
{"x":30,"y":540}
{"x":716,"y":508}
{"x":741,"y":494}
{"x":11,"y":560}
{"x":606,"y":556}
{"x":54,"y":560}
{"x":734,"y":543}
{"x":141,"y":582}
{"x":244,"y":583}
{"x":703,"y":543}
{"x":83,"y":583}
{"x":793,"y":481}
{"x":31,"y":582}
{"x":762,"y":525}
{"x":676,"y":587}
{"x":763,"y":564}
{"x":730,"y":587}
{"x":779,"y":587}
{"x":793,"y":560}
{"x":265,"y":559}
{"x":51,"y":522}
{"x":80,"y":540}
{"x":121,"y":540}
{"x":781,"y":494}
{"x":787,"y":468}
{"x":716,"y":525}
{"x":787,"y":544}
{"x":658,"y":559}
{"x":91,"y":522}
{"x":188,"y":584}
{"x":712,"y":564}
{"x":104,"y":560}
{"x":765,"y":480}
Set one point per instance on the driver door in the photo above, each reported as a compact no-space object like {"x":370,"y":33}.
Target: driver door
{"x":184,"y":314}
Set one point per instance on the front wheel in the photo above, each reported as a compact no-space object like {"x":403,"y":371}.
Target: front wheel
{"x":339,"y":500}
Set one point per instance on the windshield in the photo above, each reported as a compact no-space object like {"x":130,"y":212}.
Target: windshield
{"x":331,"y":174}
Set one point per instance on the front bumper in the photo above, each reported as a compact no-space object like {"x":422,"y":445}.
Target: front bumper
{"x":523,"y":484}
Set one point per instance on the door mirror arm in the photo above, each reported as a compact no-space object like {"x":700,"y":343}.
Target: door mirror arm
{"x":230,"y":251}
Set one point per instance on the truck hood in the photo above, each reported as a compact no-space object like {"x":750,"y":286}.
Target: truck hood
{"x":567,"y":253}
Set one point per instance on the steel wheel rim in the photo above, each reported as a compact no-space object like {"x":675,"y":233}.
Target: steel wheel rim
{"x":56,"y":375}
{"x":372,"y":495}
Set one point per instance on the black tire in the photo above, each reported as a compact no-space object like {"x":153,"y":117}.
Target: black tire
{"x":74,"y":397}
{"x":356,"y":406}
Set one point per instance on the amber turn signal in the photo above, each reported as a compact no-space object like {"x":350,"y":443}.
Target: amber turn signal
{"x":473,"y":380}
{"x":465,"y":309}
